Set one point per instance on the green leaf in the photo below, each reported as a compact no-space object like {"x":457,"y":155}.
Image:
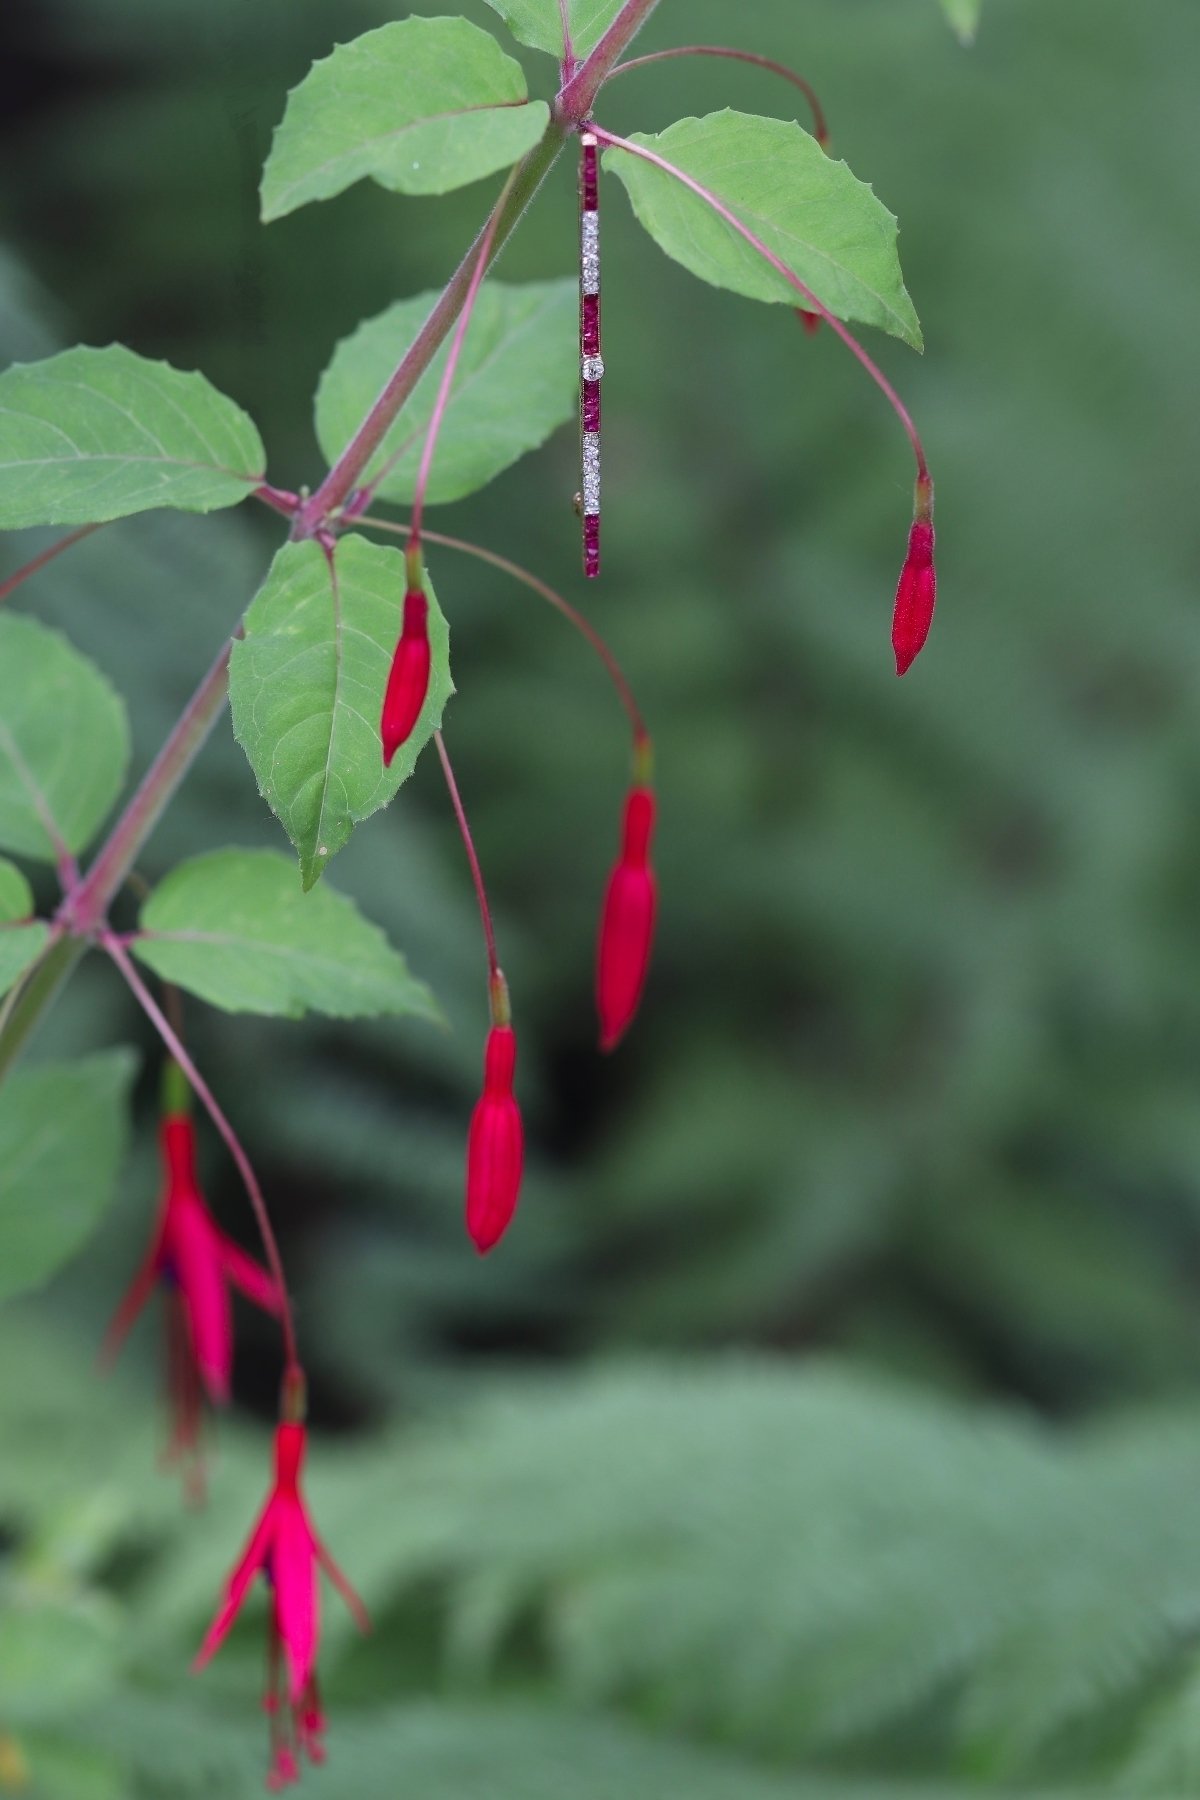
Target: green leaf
{"x":22,"y":938}
{"x":62,"y":1138}
{"x":516,"y":382}
{"x":99,"y":434}
{"x":421,"y":106}
{"x":964,"y":16}
{"x":16,"y":895}
{"x":306,"y":687}
{"x":233,"y":927}
{"x":811,"y":211}
{"x":538,"y":23}
{"x":64,"y":741}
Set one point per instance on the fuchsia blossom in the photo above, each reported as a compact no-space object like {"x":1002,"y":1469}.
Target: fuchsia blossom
{"x":495,"y":1145}
{"x":627,"y":922}
{"x":286,"y":1550}
{"x":195,"y":1262}
{"x":916,"y":594}
{"x":408,"y":682}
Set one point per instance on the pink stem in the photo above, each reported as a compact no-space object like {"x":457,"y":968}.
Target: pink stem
{"x":568,"y":55}
{"x":280,"y":500}
{"x":485,"y":911}
{"x":789,"y":275}
{"x":109,"y":942}
{"x":39,"y":562}
{"x":820,"y":126}
{"x":448,"y":373}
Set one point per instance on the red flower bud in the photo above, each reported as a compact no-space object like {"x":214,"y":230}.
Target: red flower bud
{"x":811,"y":321}
{"x":627,"y":922}
{"x":915,"y":596}
{"x":408,"y":682}
{"x":495,"y":1146}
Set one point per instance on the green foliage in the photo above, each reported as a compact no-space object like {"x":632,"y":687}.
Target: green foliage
{"x":62,"y":1138}
{"x":99,"y":434}
{"x":517,"y":380}
{"x":964,"y":16}
{"x":756,"y":1579}
{"x":64,"y":741}
{"x":421,"y":106}
{"x":538,"y":23}
{"x":306,"y":685}
{"x":234,"y":928}
{"x":22,"y":939}
{"x":810,"y":210}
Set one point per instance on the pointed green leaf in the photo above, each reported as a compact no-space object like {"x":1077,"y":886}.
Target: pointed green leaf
{"x":306,"y":687}
{"x":99,"y":434}
{"x":22,"y":937}
{"x":235,"y":928}
{"x":827,"y":226}
{"x":538,"y":23}
{"x":64,"y":741}
{"x":62,"y":1138}
{"x":517,"y":381}
{"x":421,"y":106}
{"x":964,"y":16}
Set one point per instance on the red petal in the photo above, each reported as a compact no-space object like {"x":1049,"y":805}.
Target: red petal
{"x":252,"y":1560}
{"x":916,"y":596}
{"x":408,"y":682}
{"x":249,"y":1276}
{"x":194,"y":1249}
{"x":627,"y":923}
{"x":297,"y":1601}
{"x":495,"y":1146}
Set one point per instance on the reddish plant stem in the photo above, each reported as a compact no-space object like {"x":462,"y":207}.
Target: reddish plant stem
{"x":530,"y":580}
{"x":39,"y":562}
{"x":820,"y":125}
{"x":448,"y":373}
{"x":485,"y":911}
{"x":789,"y":275}
{"x":109,"y":942}
{"x":86,"y":908}
{"x":568,"y":55}
{"x":280,"y":500}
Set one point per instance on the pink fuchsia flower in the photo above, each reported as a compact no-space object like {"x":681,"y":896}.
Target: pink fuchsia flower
{"x":285,"y":1549}
{"x":495,"y":1145}
{"x":627,"y":922}
{"x":408,"y":681}
{"x":916,"y":594}
{"x":195,"y":1263}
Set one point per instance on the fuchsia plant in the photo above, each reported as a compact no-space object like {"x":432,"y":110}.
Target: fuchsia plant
{"x":337,"y":675}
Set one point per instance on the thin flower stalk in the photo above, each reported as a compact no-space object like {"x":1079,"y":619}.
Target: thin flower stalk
{"x":820,"y":124}
{"x":112,"y":944}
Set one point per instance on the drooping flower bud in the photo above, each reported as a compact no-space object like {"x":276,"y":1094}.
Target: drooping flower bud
{"x":496,"y":1145}
{"x":627,"y":922}
{"x":408,"y":682}
{"x":916,"y":594}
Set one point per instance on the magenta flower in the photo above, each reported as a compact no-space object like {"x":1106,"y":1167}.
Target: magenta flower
{"x":285,"y":1549}
{"x":195,"y":1262}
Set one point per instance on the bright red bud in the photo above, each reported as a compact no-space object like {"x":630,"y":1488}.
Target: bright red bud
{"x":811,"y":321}
{"x":408,"y":682}
{"x":915,"y":596}
{"x":627,"y":922}
{"x":495,"y":1146}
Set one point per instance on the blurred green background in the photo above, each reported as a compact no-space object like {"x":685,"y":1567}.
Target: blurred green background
{"x":828,"y":1424}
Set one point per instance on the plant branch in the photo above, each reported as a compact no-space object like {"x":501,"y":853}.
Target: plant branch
{"x":178,"y":1050}
{"x":572,"y":105}
{"x":85,"y":910}
{"x":39,"y":562}
{"x":460,"y":813}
